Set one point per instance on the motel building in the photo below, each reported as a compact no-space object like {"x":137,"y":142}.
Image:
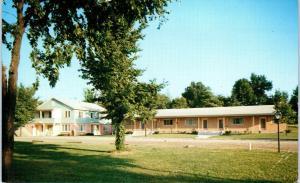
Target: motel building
{"x":57,"y":117}
{"x":242,"y":119}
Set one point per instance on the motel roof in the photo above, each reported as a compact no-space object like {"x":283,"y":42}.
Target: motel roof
{"x":73,"y":104}
{"x":217,"y":111}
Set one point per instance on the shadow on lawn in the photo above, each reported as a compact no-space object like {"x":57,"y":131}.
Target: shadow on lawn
{"x":50,"y":163}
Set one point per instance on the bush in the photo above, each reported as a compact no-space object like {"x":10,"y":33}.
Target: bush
{"x":194,"y":132}
{"x":89,"y":134}
{"x":129,"y":132}
{"x":227,"y":132}
{"x":288,"y":131}
{"x":156,"y":132}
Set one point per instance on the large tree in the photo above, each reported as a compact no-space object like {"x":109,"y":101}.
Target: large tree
{"x":243,"y":93}
{"x":163,"y":101}
{"x":260,"y":85}
{"x":178,"y":103}
{"x":25,"y":106}
{"x":96,"y":32}
{"x":294,"y":100}
{"x":199,"y":95}
{"x":280,"y":100}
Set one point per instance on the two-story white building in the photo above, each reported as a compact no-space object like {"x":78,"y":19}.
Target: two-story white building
{"x":67,"y":117}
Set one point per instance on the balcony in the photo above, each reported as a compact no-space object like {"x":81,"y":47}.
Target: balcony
{"x":43,"y":120}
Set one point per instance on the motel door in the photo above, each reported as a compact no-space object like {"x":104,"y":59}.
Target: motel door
{"x":221,"y":124}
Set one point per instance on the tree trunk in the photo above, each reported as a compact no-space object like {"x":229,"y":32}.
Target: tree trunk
{"x":145,"y":131}
{"x":120,"y":136}
{"x":9,"y":98}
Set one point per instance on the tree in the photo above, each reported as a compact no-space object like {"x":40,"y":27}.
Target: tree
{"x":198,"y":95}
{"x":294,"y":100}
{"x":25,"y":106}
{"x":146,"y":95}
{"x":89,"y":95}
{"x":57,"y":30}
{"x":280,"y":100}
{"x":225,"y":101}
{"x":243,"y":93}
{"x":178,"y":103}
{"x":163,"y":101}
{"x":260,"y":85}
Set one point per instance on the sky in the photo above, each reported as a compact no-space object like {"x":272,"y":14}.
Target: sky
{"x":215,"y":42}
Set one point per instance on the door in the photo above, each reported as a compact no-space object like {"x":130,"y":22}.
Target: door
{"x":205,"y":124}
{"x":263,"y":123}
{"x":221,"y":124}
{"x":95,"y":129}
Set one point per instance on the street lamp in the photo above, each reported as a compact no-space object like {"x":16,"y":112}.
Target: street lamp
{"x":277,"y":120}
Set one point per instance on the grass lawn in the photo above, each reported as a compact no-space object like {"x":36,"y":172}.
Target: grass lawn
{"x":82,"y":162}
{"x":293,"y":135}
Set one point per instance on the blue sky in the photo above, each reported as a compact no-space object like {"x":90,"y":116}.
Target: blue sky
{"x":213,"y":41}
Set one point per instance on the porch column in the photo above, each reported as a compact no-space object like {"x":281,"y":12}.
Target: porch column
{"x":134,"y":125}
{"x":198,"y":123}
{"x":44,"y":130}
{"x":40,"y":114}
{"x":201,"y":124}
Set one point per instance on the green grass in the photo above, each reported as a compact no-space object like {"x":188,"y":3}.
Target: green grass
{"x":66,"y":162}
{"x":293,"y":135}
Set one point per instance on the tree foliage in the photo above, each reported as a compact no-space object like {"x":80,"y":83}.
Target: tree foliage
{"x":178,"y":103}
{"x":25,"y":106}
{"x":243,"y":93}
{"x":163,"y":101}
{"x":294,"y":100}
{"x":260,"y":85}
{"x":199,"y":95}
{"x":280,"y":100}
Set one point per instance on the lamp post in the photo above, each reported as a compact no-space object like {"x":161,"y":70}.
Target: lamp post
{"x":277,"y":120}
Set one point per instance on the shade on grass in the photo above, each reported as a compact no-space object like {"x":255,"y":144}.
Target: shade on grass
{"x":62,"y":162}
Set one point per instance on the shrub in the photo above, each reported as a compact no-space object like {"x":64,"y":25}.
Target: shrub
{"x":89,"y":134}
{"x":227,"y":132}
{"x":195,"y":132}
{"x":288,"y":131}
{"x":129,"y":132}
{"x":156,"y":132}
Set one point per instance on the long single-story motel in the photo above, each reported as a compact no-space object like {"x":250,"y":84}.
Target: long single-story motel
{"x":67,"y":117}
{"x":254,"y":119}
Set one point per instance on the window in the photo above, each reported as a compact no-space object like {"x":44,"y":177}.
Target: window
{"x":92,"y":115}
{"x":263,"y":123}
{"x":190,"y":122}
{"x":67,"y":114}
{"x":80,"y":114}
{"x":237,"y":121}
{"x":168,"y":122}
{"x":221,"y":125}
{"x":205,"y":123}
{"x":81,"y":128}
{"x":50,"y":114}
{"x":43,"y":114}
{"x":65,"y":128}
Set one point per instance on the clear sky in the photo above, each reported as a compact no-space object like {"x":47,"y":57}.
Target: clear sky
{"x":213,"y":41}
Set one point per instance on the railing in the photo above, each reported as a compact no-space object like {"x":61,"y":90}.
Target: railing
{"x":43,"y":120}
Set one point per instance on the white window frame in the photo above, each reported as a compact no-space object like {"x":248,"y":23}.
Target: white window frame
{"x":65,"y":128}
{"x":232,"y":120}
{"x":190,"y":122}
{"x":168,"y":120}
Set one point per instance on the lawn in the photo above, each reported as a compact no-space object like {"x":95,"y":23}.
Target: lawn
{"x":293,"y":135}
{"x":82,"y":162}
{"x":173,"y":135}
